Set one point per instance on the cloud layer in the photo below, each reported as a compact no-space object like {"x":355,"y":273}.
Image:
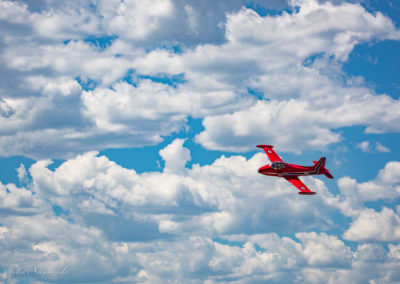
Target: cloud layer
{"x":89,"y":77}
{"x":214,"y":223}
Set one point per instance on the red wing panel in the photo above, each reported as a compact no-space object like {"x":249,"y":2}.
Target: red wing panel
{"x":300,"y":185}
{"x":273,"y":157}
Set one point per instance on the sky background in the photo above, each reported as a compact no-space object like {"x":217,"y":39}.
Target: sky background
{"x":128,"y":133}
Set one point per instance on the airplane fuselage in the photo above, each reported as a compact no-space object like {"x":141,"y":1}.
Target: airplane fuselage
{"x":288,"y":170}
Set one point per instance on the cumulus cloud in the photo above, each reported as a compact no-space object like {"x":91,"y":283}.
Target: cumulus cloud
{"x":324,"y":250}
{"x":384,"y":186}
{"x":53,"y":50}
{"x":175,"y":156}
{"x":216,"y":196}
{"x":216,"y":222}
{"x":109,"y":209}
{"x":375,"y":226}
{"x":18,"y":200}
{"x":300,"y":96}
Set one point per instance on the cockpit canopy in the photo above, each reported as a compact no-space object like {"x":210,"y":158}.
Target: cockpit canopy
{"x":278,"y":165}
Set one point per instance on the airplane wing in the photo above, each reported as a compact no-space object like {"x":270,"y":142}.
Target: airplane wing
{"x":300,"y":185}
{"x":273,"y":157}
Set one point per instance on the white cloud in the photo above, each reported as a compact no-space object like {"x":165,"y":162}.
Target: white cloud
{"x":390,"y":174}
{"x":217,"y":196}
{"x":83,"y":60}
{"x":375,"y":226}
{"x":353,"y":196}
{"x":15,"y":12}
{"x":45,"y":242}
{"x":152,"y":107}
{"x":277,"y":60}
{"x":136,"y":19}
{"x":175,"y":156}
{"x":107,"y":206}
{"x":302,"y":96}
{"x":381,"y":148}
{"x":366,"y":146}
{"x":22,"y":174}
{"x":19,"y":201}
{"x":275,"y":122}
{"x":71,"y":20}
{"x":324,"y":250}
{"x":370,"y":252}
{"x":384,"y":186}
{"x":370,"y":263}
{"x":349,"y":202}
{"x":210,"y":223}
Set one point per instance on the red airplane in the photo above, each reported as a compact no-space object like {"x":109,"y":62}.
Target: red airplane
{"x":291,"y":172}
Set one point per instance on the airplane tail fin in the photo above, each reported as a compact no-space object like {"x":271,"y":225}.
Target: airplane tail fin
{"x":320,"y":167}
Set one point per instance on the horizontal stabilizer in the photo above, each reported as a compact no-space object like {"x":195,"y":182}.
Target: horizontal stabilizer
{"x":264,"y":146}
{"x":327,"y":173}
{"x":306,"y":192}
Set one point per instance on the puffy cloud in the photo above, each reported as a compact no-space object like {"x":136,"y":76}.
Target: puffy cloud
{"x":148,"y":17}
{"x":84,"y":59}
{"x":152,"y":106}
{"x":210,"y":88}
{"x":390,"y":174}
{"x":109,"y":209}
{"x":19,"y":201}
{"x":286,"y":59}
{"x":165,"y":22}
{"x":216,"y":196}
{"x":384,"y":186}
{"x":44,"y":242}
{"x":211,"y":223}
{"x":265,"y":121}
{"x":375,"y":226}
{"x":278,"y":122}
{"x":175,"y":156}
{"x":324,"y":250}
{"x":370,"y":252}
{"x":370,"y":263}
{"x":305,"y":96}
{"x":349,"y":201}
{"x":353,"y":196}
{"x":332,"y":36}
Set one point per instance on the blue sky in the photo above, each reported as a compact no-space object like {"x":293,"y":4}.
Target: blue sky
{"x":128,"y":133}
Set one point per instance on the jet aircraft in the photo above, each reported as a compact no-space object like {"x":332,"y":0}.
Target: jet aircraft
{"x":291,"y":172}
